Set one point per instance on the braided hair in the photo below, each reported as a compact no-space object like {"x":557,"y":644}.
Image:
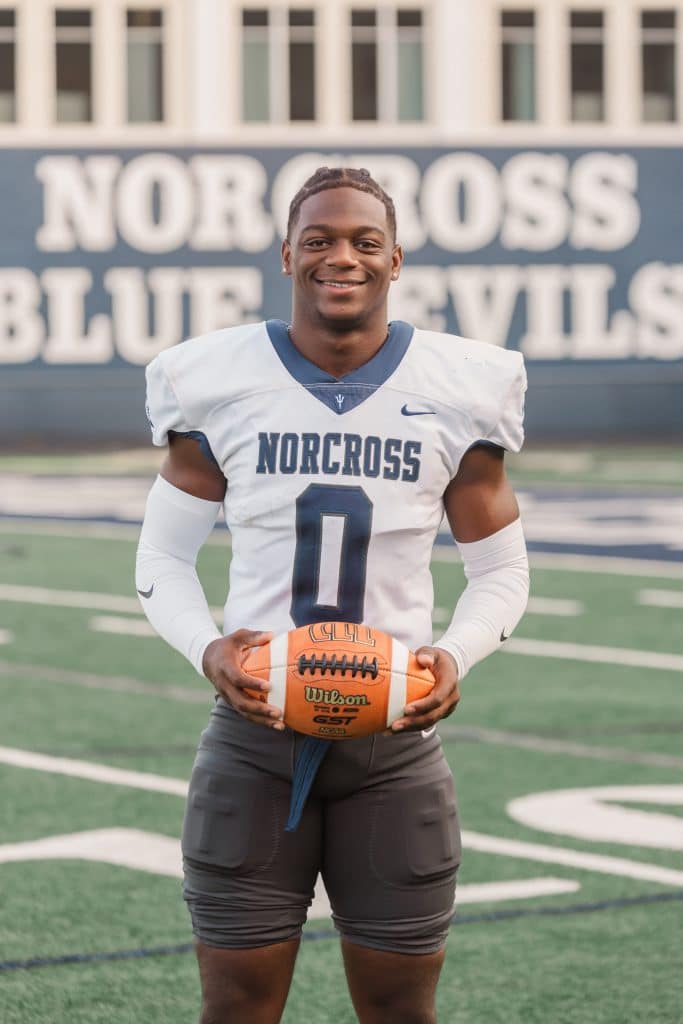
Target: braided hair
{"x":341,"y":177}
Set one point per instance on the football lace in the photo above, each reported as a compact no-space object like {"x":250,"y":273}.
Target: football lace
{"x":355,"y":665}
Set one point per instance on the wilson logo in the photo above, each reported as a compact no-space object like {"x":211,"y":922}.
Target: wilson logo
{"x":316,"y":695}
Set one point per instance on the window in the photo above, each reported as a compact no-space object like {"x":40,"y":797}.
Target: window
{"x":387,"y":64}
{"x":658,"y":36}
{"x":301,"y":66}
{"x":587,"y":66}
{"x":145,"y":54}
{"x":410,"y":71}
{"x":73,"y":59}
{"x":7,"y":66}
{"x":364,"y":65}
{"x":278,"y":64}
{"x":518,"y":100}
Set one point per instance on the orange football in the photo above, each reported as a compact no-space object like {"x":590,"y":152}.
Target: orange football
{"x":339,"y":680}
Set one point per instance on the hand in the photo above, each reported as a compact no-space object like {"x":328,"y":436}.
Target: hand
{"x":222,"y":664}
{"x":441,"y":702}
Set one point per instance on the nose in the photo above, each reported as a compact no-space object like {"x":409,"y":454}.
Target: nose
{"x":341,"y":254}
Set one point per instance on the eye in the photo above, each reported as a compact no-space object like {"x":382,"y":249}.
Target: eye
{"x":315,"y":243}
{"x":368,"y":244}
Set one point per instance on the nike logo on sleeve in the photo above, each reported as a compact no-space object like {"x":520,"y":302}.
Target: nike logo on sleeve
{"x":146,"y":593}
{"x":405,"y":411}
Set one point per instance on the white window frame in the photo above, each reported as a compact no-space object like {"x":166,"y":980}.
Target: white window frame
{"x":504,"y":36}
{"x":279,"y":35}
{"x":387,"y":37}
{"x":155,"y":34}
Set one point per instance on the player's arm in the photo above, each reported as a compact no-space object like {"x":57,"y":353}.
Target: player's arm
{"x":180,"y":514}
{"x":484,"y":517}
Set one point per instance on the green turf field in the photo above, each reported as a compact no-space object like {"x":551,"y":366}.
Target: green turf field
{"x":602,"y":946}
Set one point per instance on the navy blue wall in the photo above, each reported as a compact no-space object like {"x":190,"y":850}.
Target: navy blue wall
{"x":571,"y":255}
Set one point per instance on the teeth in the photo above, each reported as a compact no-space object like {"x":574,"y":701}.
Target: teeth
{"x":340,"y":284}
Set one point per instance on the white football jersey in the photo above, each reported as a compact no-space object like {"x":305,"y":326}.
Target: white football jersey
{"x":335,"y":487}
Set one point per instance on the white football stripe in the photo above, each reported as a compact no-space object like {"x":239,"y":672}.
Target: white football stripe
{"x":278,"y":671}
{"x":397,"y":687}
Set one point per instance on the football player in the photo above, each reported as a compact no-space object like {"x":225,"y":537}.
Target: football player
{"x":334,"y":444}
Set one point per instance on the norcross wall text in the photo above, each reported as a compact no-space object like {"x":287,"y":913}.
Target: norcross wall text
{"x":565,"y":254}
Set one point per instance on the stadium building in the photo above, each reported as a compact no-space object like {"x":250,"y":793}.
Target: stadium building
{"x":148,"y":155}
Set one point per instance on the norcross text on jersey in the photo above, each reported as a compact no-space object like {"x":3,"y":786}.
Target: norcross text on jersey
{"x":335,"y":453}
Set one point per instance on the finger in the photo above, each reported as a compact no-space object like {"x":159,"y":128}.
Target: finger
{"x":243,"y":701}
{"x":253,"y":708}
{"x":418,"y":722}
{"x":425,"y":657}
{"x":251,"y":637}
{"x":441,"y":694}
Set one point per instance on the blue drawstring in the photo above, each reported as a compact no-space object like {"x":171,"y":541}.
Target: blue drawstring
{"x":309,"y":759}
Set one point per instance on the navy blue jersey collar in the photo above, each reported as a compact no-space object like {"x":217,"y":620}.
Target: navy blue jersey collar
{"x":341,"y":394}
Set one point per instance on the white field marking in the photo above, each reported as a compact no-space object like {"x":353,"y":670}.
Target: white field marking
{"x":525,"y":889}
{"x":556,"y":746}
{"x":92,"y":771}
{"x":661,"y":598}
{"x":87,"y":599}
{"x":594,"y":653}
{"x":472,"y":840}
{"x":597,"y":862}
{"x":161,"y":855}
{"x":560,"y":606}
{"x":6,"y":637}
{"x":560,"y":561}
{"x":80,"y":528}
{"x":116,"y":684}
{"x":122,"y":627}
{"x":125,"y":847}
{"x":566,"y":562}
{"x":589,"y":814}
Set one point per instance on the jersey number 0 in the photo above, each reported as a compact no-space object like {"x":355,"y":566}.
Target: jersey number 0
{"x":333,"y":525}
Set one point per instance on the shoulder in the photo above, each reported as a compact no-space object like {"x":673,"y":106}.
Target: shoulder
{"x":460,"y":371}
{"x":186,"y":382}
{"x":205,"y":353}
{"x":467,"y":355}
{"x":483,"y":382}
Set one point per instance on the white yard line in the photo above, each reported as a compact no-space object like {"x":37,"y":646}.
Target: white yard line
{"x":543,"y":744}
{"x":560,"y":606}
{"x":79,"y":528}
{"x":115,"y":684}
{"x":597,"y":563}
{"x":90,"y":600}
{"x":472,"y":840}
{"x":572,"y":858}
{"x":92,"y":772}
{"x":161,"y":855}
{"x":606,"y":564}
{"x":546,"y":745}
{"x":594,"y":653}
{"x":561,"y":561}
{"x":661,"y":598}
{"x":525,"y":889}
{"x":122,"y":627}
{"x":6,"y":637}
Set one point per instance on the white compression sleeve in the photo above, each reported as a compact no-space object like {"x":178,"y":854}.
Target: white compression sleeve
{"x":175,"y":526}
{"x":493,"y":602}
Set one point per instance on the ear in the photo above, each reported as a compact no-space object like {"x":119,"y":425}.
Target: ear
{"x":396,"y":262}
{"x":286,"y":253}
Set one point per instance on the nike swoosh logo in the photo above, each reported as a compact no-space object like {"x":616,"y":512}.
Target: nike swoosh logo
{"x":405,"y":411}
{"x":503,"y":636}
{"x":146,"y":593}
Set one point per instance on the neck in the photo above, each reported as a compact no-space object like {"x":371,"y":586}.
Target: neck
{"x":339,"y":348}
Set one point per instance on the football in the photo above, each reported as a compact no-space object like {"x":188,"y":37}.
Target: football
{"x":338,"y":680}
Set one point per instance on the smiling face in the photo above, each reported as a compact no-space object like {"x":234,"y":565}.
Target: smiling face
{"x":342,"y":258}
